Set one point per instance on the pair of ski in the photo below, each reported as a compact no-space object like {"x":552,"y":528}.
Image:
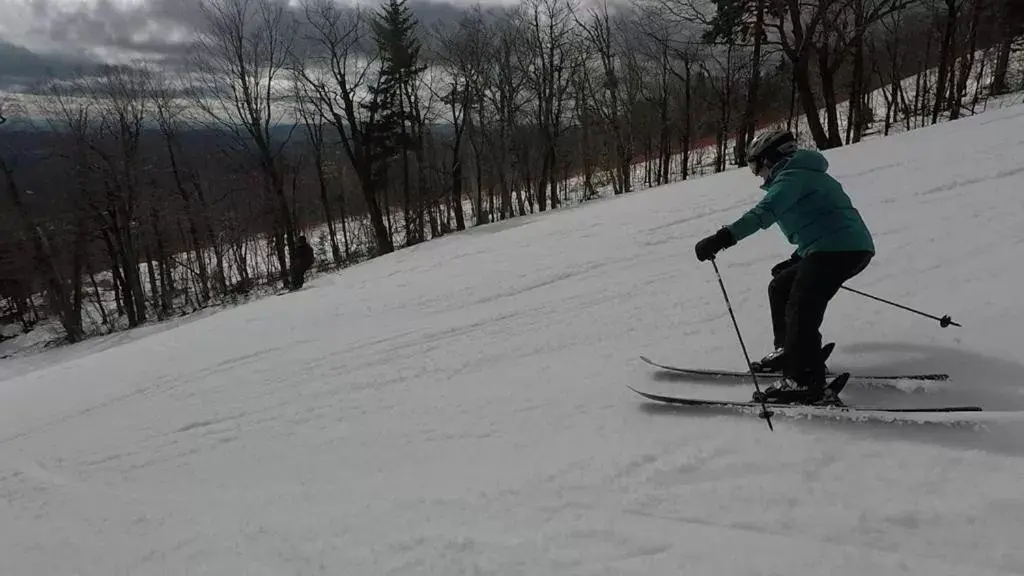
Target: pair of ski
{"x":836,"y":385}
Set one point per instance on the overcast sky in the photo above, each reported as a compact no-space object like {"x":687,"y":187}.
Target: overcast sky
{"x":118,"y":29}
{"x":99,"y":27}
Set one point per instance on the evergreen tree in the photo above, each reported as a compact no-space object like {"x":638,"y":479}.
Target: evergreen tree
{"x":380,"y":137}
{"x":397,"y":100}
{"x":394,"y":30}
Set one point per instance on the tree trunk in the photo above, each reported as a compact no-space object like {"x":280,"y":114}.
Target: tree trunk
{"x":999,"y":85}
{"x":64,"y":304}
{"x":99,"y":300}
{"x":802,"y":79}
{"x":456,"y":175}
{"x":325,"y":202}
{"x":858,"y":82}
{"x":945,"y":59}
{"x":121,"y":300}
{"x":154,"y":289}
{"x":749,"y":127}
{"x":687,"y":118}
{"x":190,"y":209}
{"x":828,"y":90}
{"x":966,"y":62}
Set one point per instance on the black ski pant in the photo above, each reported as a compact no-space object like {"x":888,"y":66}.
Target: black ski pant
{"x":298,"y":277}
{"x":799,"y":296}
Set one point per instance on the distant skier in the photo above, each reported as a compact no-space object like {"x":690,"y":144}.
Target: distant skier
{"x":302,"y":261}
{"x":832,"y":245}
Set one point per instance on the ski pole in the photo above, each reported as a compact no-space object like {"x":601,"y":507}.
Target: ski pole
{"x":944,"y":321}
{"x":765,"y":412}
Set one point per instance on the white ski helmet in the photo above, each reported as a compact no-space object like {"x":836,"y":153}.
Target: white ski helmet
{"x":770,"y":146}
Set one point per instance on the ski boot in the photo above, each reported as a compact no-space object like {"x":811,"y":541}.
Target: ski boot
{"x":804,"y":390}
{"x":775,"y":361}
{"x":789,"y":391}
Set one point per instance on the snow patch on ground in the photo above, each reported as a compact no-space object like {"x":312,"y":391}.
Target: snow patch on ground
{"x":460,"y":407}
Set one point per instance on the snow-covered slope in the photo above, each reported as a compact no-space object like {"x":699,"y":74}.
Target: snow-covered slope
{"x":460,"y":407}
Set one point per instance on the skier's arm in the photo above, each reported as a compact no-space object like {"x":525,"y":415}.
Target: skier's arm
{"x":766,"y":212}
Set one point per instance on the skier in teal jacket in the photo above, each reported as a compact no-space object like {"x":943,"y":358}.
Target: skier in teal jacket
{"x":832,"y":245}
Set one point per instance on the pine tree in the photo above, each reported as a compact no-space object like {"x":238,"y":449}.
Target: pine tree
{"x":397,"y":100}
{"x":394,"y":30}
{"x":380,"y":136}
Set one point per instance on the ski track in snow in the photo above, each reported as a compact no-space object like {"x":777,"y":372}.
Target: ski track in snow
{"x":460,"y":407}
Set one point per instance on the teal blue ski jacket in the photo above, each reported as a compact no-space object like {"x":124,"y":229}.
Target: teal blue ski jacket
{"x":810,"y":207}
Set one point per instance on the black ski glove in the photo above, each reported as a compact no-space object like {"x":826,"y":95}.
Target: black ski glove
{"x":708,"y":247}
{"x":785,"y":264}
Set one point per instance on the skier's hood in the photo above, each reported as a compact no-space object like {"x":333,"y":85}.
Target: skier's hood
{"x":810,"y":160}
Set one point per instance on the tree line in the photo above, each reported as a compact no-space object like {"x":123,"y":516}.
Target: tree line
{"x":139,"y":192}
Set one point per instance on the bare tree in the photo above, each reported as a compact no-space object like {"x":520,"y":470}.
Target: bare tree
{"x":608,"y":47}
{"x":335,"y":68}
{"x":649,"y":41}
{"x":721,"y":72}
{"x":672,"y":27}
{"x":550,"y":42}
{"x":946,"y":14}
{"x":824,"y":33}
{"x":462,"y":49}
{"x":497,"y":135}
{"x":1010,"y":15}
{"x":969,"y":45}
{"x":105,"y":116}
{"x":313,"y":118}
{"x":65,"y":294}
{"x":170,"y":112}
{"x":239,"y":65}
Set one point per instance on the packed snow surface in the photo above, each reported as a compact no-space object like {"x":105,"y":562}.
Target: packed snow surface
{"x":460,"y":407}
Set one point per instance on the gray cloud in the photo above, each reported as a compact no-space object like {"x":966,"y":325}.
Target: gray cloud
{"x":78,"y":33}
{"x":153,"y":28}
{"x":22,"y":69}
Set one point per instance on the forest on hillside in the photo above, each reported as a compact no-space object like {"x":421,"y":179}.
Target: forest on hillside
{"x":138,"y":192}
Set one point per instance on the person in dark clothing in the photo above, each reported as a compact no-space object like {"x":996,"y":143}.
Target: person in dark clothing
{"x":302,"y":261}
{"x":833,"y":244}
